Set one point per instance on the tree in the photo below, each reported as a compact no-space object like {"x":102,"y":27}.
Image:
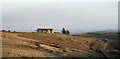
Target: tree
{"x":9,"y":31}
{"x":67,"y":32}
{"x":3,"y":30}
{"x":63,"y":31}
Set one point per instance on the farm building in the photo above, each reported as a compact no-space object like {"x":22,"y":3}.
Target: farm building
{"x":45,"y":30}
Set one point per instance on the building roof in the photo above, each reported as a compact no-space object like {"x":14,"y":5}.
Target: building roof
{"x":44,"y":28}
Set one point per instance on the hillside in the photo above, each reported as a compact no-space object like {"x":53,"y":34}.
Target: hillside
{"x":24,"y":44}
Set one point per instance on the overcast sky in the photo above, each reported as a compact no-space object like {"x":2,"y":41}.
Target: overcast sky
{"x":59,"y":0}
{"x":71,"y":15}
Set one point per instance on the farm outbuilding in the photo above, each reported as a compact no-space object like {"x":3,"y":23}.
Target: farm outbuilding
{"x":45,"y":30}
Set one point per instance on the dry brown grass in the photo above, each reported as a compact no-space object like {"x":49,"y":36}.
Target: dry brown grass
{"x":53,"y":45}
{"x":56,"y":41}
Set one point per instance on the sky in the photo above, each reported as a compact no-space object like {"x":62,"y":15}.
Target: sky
{"x":59,"y":0}
{"x":70,"y":15}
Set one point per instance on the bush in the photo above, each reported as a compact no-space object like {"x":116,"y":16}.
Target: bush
{"x":50,"y":51}
{"x":57,"y":52}
{"x":67,"y":32}
{"x":46,"y":49}
{"x":37,"y":44}
{"x":64,"y":51}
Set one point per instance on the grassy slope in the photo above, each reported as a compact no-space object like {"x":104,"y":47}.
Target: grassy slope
{"x":19,"y":44}
{"x":69,"y":45}
{"x":61,"y":40}
{"x":14,"y":46}
{"x":110,"y":42}
{"x":108,"y":35}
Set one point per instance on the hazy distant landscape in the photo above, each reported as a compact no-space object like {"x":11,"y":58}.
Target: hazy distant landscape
{"x":73,"y":31}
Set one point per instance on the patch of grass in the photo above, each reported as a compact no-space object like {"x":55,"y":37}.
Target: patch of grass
{"x":98,"y":46}
{"x":3,"y":36}
{"x":11,"y":37}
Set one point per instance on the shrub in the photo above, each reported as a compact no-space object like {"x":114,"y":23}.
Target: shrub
{"x":73,"y":50}
{"x":46,"y":49}
{"x":67,"y":32}
{"x":50,"y":51}
{"x":64,"y":51}
{"x":57,"y":52}
{"x":37,"y":44}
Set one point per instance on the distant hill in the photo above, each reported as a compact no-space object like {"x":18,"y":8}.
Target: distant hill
{"x":108,"y":30}
{"x":92,"y":31}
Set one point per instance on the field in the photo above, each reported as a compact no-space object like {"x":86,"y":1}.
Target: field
{"x":24,"y":44}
